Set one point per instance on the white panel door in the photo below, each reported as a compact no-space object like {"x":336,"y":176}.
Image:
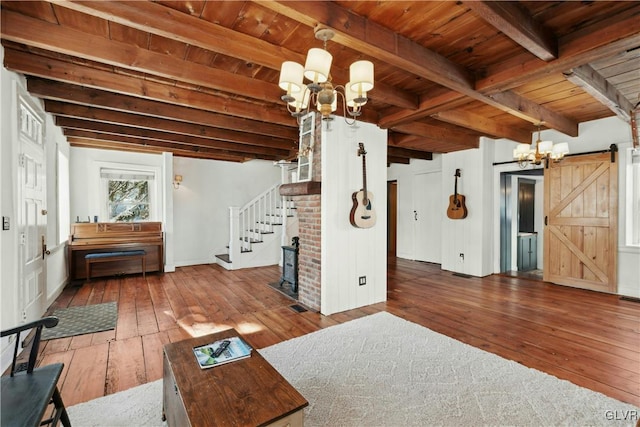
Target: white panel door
{"x":32,"y":213}
{"x":427,"y":217}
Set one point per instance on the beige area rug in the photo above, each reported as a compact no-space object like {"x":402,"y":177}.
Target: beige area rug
{"x":381,"y":370}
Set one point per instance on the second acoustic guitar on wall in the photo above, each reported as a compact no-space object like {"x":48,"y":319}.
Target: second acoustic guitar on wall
{"x":457,"y":208}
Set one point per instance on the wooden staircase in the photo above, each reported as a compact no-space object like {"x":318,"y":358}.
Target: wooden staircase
{"x":258,"y":231}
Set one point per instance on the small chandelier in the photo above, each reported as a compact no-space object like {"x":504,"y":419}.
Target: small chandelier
{"x":320,"y":91}
{"x":527,"y":154}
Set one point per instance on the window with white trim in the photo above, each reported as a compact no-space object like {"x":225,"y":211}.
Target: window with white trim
{"x":129,"y":194}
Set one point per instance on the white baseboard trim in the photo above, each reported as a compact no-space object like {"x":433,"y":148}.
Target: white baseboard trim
{"x":187,"y":263}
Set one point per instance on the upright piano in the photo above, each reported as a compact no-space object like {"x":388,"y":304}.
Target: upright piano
{"x":103,"y":237}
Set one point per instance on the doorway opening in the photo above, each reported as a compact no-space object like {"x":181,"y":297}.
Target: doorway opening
{"x":522,"y":223}
{"x":392,"y":217}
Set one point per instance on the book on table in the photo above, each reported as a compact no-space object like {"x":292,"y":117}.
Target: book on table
{"x":221,"y":352}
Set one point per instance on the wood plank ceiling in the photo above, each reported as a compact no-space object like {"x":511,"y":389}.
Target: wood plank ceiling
{"x":200,"y":78}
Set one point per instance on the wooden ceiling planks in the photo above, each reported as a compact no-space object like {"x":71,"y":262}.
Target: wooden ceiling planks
{"x":219,"y":60}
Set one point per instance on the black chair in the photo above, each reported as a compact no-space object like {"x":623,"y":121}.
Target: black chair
{"x":27,"y":393}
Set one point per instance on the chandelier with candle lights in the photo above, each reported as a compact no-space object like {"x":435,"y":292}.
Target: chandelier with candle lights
{"x":540,"y":151}
{"x":320,"y":91}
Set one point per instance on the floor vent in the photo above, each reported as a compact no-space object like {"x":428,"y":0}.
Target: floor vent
{"x":298,"y":308}
{"x":632,"y":299}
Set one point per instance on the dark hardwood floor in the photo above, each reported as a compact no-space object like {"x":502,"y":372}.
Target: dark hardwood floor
{"x":589,"y":338}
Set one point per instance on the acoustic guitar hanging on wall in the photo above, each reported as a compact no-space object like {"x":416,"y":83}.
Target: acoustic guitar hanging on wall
{"x":362,"y":213}
{"x":457,"y":209}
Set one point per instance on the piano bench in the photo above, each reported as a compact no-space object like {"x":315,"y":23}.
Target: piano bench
{"x":98,"y":257}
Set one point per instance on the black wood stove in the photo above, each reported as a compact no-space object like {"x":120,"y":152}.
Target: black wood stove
{"x":290,"y":265}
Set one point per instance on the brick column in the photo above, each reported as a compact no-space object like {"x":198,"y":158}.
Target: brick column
{"x":309,"y":231}
{"x":309,"y":220}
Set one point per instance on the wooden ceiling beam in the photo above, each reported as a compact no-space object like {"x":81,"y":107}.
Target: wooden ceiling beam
{"x":618,"y":33}
{"x":598,"y":87}
{"x":483,"y":125}
{"x":407,"y":153}
{"x":104,"y":128}
{"x":432,"y":102}
{"x":173,"y":24}
{"x":437,"y":133}
{"x":397,"y":139}
{"x":62,"y":71}
{"x":161,"y":145}
{"x":399,"y":160}
{"x":534,"y":113}
{"x":167,"y":22}
{"x":72,"y":94}
{"x":422,"y":143}
{"x":511,"y":103}
{"x":100,"y":115}
{"x":56,"y":38}
{"x":136,"y":147}
{"x":279,"y":29}
{"x":605,"y":38}
{"x":519,"y":26}
{"x":363,"y":35}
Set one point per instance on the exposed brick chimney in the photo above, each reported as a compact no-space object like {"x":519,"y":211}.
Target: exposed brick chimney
{"x":309,"y":262}
{"x":308,"y":208}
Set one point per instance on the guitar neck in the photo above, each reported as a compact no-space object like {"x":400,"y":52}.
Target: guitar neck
{"x":455,"y":189}
{"x":364,"y":177}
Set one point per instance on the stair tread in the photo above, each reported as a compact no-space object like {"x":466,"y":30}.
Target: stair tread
{"x":224,"y":257}
{"x":261,"y":231}
{"x":251,"y":240}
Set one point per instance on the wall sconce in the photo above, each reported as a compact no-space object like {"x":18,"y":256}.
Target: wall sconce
{"x":176,"y":181}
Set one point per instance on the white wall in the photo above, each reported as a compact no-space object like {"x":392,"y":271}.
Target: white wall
{"x":628,"y":256}
{"x":201,"y":204}
{"x":57,"y":271}
{"x":195,"y":216}
{"x":478,"y":236}
{"x":348,"y":252}
{"x":472,"y":235}
{"x":404,"y":175}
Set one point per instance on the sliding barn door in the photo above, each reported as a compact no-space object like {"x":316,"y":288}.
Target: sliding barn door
{"x":580,"y":236}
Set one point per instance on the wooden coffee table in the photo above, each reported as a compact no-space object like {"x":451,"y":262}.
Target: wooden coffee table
{"x":247,"y":392}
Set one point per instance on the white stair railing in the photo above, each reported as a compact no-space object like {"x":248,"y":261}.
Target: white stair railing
{"x":259,"y":216}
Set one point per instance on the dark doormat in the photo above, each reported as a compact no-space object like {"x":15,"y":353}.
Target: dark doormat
{"x":285,"y":289}
{"x":83,"y":320}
